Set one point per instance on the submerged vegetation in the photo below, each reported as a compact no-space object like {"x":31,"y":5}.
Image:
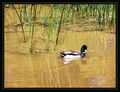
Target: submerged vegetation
{"x":56,"y":18}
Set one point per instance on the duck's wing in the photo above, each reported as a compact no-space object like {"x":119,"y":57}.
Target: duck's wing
{"x":75,"y":53}
{"x":64,"y":53}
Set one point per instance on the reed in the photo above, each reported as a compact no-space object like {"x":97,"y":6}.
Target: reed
{"x":20,"y":22}
{"x":113,"y":13}
{"x":58,"y":16}
{"x":40,"y":8}
{"x":50,"y":24}
{"x":25,"y":13}
{"x":56,"y":34}
{"x":32,"y":42}
{"x":60,"y":23}
{"x":21,"y":8}
{"x":29,"y":22}
{"x":65,"y":19}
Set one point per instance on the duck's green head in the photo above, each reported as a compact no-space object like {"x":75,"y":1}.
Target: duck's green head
{"x":83,"y":48}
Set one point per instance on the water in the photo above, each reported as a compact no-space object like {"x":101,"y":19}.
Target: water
{"x":49,"y":70}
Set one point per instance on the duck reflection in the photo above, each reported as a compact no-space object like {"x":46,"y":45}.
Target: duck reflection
{"x":70,"y":60}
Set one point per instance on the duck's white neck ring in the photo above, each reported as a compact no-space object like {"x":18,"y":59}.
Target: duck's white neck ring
{"x":85,"y":51}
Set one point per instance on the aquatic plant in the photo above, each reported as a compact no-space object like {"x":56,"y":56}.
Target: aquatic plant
{"x":58,"y":16}
{"x":20,"y":22}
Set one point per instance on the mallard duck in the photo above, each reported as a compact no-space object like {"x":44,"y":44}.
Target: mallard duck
{"x":74,"y":54}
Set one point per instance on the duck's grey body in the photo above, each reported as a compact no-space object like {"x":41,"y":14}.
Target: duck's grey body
{"x":74,"y":54}
{"x":70,"y":54}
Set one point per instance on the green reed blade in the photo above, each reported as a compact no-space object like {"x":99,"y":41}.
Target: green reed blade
{"x":103,"y":22}
{"x":25,"y":13}
{"x":31,"y":48}
{"x":21,"y":13}
{"x":52,"y":25}
{"x":60,"y":23}
{"x":29,"y":22}
{"x":57,"y":29}
{"x":69,"y":10}
{"x":112,"y":20}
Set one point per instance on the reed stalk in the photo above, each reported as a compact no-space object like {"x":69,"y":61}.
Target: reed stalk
{"x":50,"y":24}
{"x":32,"y":43}
{"x":56,"y":34}
{"x":29,"y":23}
{"x":113,"y":12}
{"x":60,"y":24}
{"x":66,"y":18}
{"x":20,"y":22}
{"x":68,"y":13}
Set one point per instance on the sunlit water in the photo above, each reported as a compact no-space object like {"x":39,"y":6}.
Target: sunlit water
{"x":48,"y":69}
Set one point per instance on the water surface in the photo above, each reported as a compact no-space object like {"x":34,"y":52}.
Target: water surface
{"x":49,"y":70}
